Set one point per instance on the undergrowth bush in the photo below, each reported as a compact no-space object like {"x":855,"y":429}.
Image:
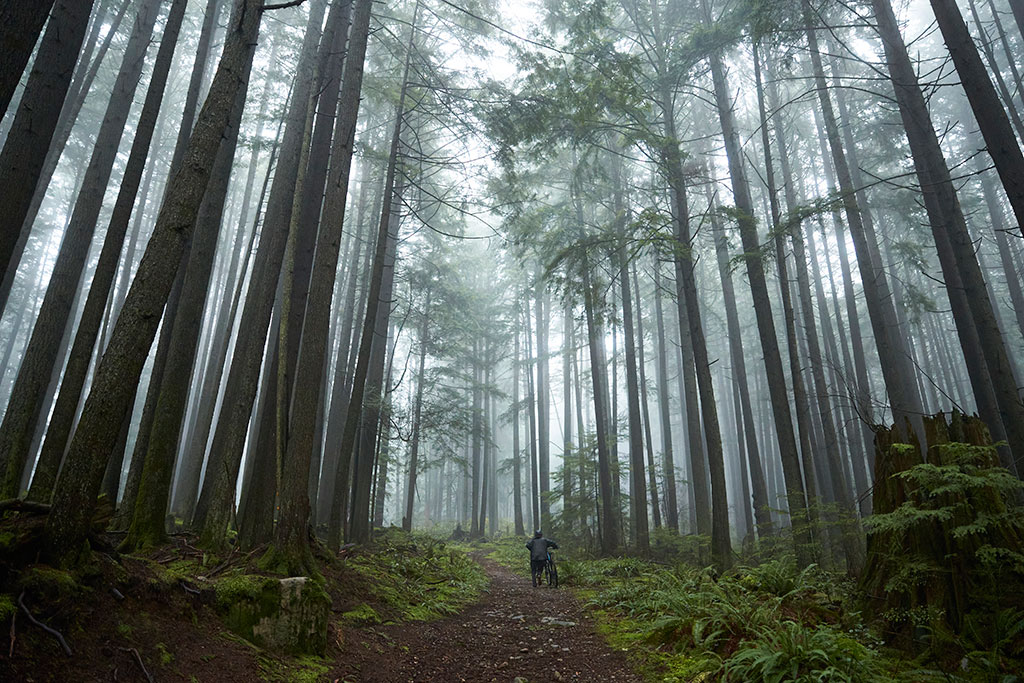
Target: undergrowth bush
{"x":795,"y":653}
{"x":769,"y":622}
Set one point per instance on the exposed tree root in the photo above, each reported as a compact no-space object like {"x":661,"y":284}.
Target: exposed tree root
{"x":138,"y":660}
{"x":53,"y":632}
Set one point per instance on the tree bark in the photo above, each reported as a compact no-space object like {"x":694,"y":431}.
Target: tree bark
{"x":39,"y":109}
{"x":24,"y":406}
{"x":73,"y":382}
{"x":114,"y":385}
{"x":988,"y":110}
{"x":638,"y":485}
{"x":417,"y":416}
{"x":20,"y":26}
{"x":213,"y":509}
{"x":665,"y":410}
{"x":993,"y":380}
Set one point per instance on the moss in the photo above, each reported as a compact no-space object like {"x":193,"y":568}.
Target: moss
{"x":47,"y":583}
{"x":294,"y":670}
{"x":286,"y":615}
{"x":361,"y":615}
{"x":245,"y":599}
{"x":6,"y":541}
{"x":165,"y":655}
{"x":418,"y":578}
{"x":7,"y":606}
{"x":235,"y":587}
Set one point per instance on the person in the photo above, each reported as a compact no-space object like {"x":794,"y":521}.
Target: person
{"x":538,"y":547}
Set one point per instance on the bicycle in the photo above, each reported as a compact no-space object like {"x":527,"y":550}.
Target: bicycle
{"x":551,"y":572}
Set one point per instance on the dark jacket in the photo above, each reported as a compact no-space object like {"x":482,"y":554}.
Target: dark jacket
{"x":538,"y":548}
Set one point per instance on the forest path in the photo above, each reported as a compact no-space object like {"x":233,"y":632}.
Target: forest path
{"x":514,"y":630}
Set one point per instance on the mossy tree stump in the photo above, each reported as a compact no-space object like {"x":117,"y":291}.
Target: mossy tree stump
{"x":283,"y":615}
{"x":945,"y":545}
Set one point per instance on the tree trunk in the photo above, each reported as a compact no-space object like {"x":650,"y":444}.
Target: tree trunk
{"x":191,"y":467}
{"x":20,"y":26}
{"x":40,"y":106}
{"x":73,"y":382}
{"x":896,"y":369}
{"x":147,"y":526}
{"x":645,"y":405}
{"x":213,"y":509}
{"x":988,"y":110}
{"x":668,"y":462}
{"x":116,"y":378}
{"x":367,"y":409}
{"x":993,"y":382}
{"x":638,"y":486}
{"x":25,"y":403}
{"x":608,"y":523}
{"x":417,"y":415}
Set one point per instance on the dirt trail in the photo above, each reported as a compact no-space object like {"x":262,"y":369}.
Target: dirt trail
{"x":514,"y":630}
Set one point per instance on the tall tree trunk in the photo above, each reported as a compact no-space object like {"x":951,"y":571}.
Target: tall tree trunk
{"x":665,"y":410}
{"x":147,"y":526}
{"x":896,"y":369}
{"x":567,"y":356}
{"x":24,"y":407}
{"x":759,"y":290}
{"x":368,"y":408}
{"x":116,"y":378}
{"x":476,"y":425}
{"x":645,"y":404}
{"x":762,"y":511}
{"x":39,"y":109}
{"x":995,"y":388}
{"x":213,"y":509}
{"x":638,"y":486}
{"x":531,"y":404}
{"x":848,"y":528}
{"x":73,"y":382}
{"x":191,"y":467}
{"x":988,"y":110}
{"x":20,"y":26}
{"x":325,"y":266}
{"x":543,"y":406}
{"x":417,"y":415}
{"x":607,"y":519}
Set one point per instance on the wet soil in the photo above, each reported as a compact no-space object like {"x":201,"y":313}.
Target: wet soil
{"x":514,"y":630}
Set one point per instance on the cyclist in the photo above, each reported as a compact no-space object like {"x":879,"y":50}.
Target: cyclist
{"x":538,"y":547}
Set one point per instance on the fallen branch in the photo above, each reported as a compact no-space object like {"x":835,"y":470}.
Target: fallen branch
{"x":187,"y":588}
{"x":138,"y":660}
{"x":14,"y":619}
{"x":20,"y":505}
{"x":53,"y":632}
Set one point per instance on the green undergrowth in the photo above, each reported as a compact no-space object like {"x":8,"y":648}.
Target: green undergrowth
{"x":293,"y":669}
{"x":770,"y":622}
{"x":412,"y":577}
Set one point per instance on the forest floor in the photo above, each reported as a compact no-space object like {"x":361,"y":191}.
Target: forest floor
{"x":514,"y":632}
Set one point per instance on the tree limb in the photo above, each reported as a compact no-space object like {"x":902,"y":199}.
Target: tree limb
{"x":282,"y":5}
{"x":20,"y":505}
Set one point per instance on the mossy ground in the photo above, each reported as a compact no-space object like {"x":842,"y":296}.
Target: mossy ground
{"x":412,"y":577}
{"x":174,"y":605}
